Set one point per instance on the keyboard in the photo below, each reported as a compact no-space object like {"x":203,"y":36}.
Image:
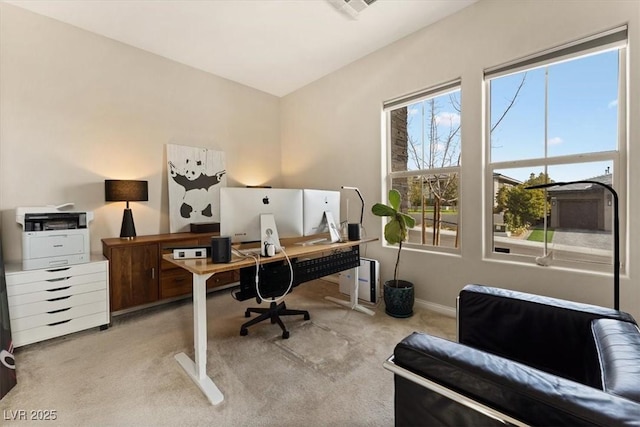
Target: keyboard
{"x":313,"y":242}
{"x":247,"y":252}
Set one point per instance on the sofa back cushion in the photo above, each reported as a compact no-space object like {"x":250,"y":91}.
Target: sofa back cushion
{"x":550,"y":334}
{"x":618,"y":346}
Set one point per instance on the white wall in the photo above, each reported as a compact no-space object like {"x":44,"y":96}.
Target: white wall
{"x":331,"y":136}
{"x":77,"y":108}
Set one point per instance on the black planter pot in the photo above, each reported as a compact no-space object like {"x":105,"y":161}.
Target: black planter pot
{"x":399,"y":300}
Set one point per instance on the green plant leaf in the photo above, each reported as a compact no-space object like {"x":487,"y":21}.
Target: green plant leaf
{"x":393,"y":232}
{"x":382,"y":210}
{"x":394,"y":199}
{"x":408,"y":220}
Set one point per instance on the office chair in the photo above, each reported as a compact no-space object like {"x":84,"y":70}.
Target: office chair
{"x":274,"y":312}
{"x":274,"y":280}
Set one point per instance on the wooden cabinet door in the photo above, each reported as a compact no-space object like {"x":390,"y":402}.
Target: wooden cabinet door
{"x":134,"y":276}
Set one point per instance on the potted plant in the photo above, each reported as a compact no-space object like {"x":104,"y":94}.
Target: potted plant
{"x":398,"y":294}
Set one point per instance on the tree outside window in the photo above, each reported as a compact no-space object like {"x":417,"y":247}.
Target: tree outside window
{"x":424,"y":144}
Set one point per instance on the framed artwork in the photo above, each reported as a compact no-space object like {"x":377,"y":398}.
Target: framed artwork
{"x":195,"y":176}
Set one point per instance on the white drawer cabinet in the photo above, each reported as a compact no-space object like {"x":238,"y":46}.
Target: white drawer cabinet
{"x":48,"y":303}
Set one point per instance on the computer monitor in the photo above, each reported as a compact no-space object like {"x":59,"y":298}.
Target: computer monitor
{"x":315,"y":203}
{"x":240,"y":210}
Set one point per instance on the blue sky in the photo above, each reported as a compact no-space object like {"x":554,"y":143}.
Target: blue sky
{"x":581,"y":115}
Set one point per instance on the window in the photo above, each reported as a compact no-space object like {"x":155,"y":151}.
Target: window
{"x":558,"y":117}
{"x":423,"y":152}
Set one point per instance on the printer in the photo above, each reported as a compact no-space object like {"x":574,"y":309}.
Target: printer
{"x":53,"y":237}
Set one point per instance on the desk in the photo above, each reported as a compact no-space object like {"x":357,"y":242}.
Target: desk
{"x":203,"y":269}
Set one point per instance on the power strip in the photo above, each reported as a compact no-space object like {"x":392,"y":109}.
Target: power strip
{"x":189,"y":253}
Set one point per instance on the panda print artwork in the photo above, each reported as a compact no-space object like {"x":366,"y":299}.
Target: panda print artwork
{"x":195,"y":176}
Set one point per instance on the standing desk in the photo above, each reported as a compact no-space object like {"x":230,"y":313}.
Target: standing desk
{"x":202,"y":269}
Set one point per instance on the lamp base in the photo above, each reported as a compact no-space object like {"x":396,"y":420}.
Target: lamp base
{"x":128,"y":229}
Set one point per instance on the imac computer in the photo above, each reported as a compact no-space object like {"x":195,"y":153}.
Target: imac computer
{"x":316,"y":203}
{"x":241,"y":208}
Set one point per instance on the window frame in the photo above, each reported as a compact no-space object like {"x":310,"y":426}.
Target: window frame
{"x":387,"y":167}
{"x":595,"y":44}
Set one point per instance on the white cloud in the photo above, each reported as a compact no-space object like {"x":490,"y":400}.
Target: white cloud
{"x":556,"y":140}
{"x":448,"y":119}
{"x":613,"y":104}
{"x":412,"y":111}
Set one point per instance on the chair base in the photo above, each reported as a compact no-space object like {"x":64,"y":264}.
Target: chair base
{"x":273,"y":313}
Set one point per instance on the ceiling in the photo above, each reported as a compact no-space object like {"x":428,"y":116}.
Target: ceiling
{"x":275,"y":46}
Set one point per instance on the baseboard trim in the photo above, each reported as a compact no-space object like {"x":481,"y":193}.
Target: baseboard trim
{"x":427,"y":305}
{"x":438,"y":308}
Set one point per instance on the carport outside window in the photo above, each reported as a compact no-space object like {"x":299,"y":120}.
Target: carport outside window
{"x":559,"y":119}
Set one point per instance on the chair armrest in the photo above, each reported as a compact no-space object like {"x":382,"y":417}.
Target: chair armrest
{"x":469,"y":403}
{"x":532,"y":396}
{"x":618,"y":345}
{"x":550,"y":334}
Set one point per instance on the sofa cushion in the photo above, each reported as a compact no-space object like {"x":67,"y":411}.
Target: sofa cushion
{"x":550,"y":334}
{"x":618,"y":345}
{"x":525,"y":393}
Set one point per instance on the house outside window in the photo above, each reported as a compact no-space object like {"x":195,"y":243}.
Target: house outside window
{"x":423,"y":163}
{"x":558,"y":116}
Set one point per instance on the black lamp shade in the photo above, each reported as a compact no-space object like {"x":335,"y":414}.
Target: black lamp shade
{"x":116,"y":190}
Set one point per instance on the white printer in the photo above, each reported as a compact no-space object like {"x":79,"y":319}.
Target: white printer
{"x":53,"y":237}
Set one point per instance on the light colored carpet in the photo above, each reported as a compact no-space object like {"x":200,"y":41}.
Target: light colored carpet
{"x":329,"y":372}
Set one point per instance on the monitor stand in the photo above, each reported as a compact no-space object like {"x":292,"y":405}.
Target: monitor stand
{"x":269,"y":235}
{"x":334,"y":231}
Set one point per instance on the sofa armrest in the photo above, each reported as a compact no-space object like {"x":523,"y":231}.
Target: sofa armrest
{"x":414,"y":403}
{"x":618,"y":345}
{"x":524,"y":393}
{"x":550,"y":334}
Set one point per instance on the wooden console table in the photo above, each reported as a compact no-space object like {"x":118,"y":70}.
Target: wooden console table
{"x":138,"y":276}
{"x":203,"y":269}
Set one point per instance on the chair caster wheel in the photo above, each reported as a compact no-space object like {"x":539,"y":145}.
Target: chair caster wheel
{"x":285,"y":335}
{"x":247,"y":314}
{"x":244,"y":332}
{"x":307,"y":317}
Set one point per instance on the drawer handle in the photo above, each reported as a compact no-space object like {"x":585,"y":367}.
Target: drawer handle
{"x":59,"y":323}
{"x":58,"y":311}
{"x":59,"y":279}
{"x":58,"y":289}
{"x":57,"y":269}
{"x":59,"y":298}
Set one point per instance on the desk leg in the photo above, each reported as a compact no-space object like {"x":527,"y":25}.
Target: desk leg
{"x":198,"y":370}
{"x":353,"y":303}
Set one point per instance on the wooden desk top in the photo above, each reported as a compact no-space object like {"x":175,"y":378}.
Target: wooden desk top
{"x":293,"y":250}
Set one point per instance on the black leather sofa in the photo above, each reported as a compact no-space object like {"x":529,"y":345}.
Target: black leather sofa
{"x":521,"y":359}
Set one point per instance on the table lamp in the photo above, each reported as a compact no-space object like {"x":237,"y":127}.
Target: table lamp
{"x":616,"y":231}
{"x":118,"y":190}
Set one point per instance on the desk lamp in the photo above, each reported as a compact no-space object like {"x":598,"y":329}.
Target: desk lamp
{"x":354,"y":229}
{"x":616,"y":231}
{"x":117,"y":190}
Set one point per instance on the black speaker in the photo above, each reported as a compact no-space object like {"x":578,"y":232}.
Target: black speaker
{"x":220,"y":249}
{"x":353,"y":231}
